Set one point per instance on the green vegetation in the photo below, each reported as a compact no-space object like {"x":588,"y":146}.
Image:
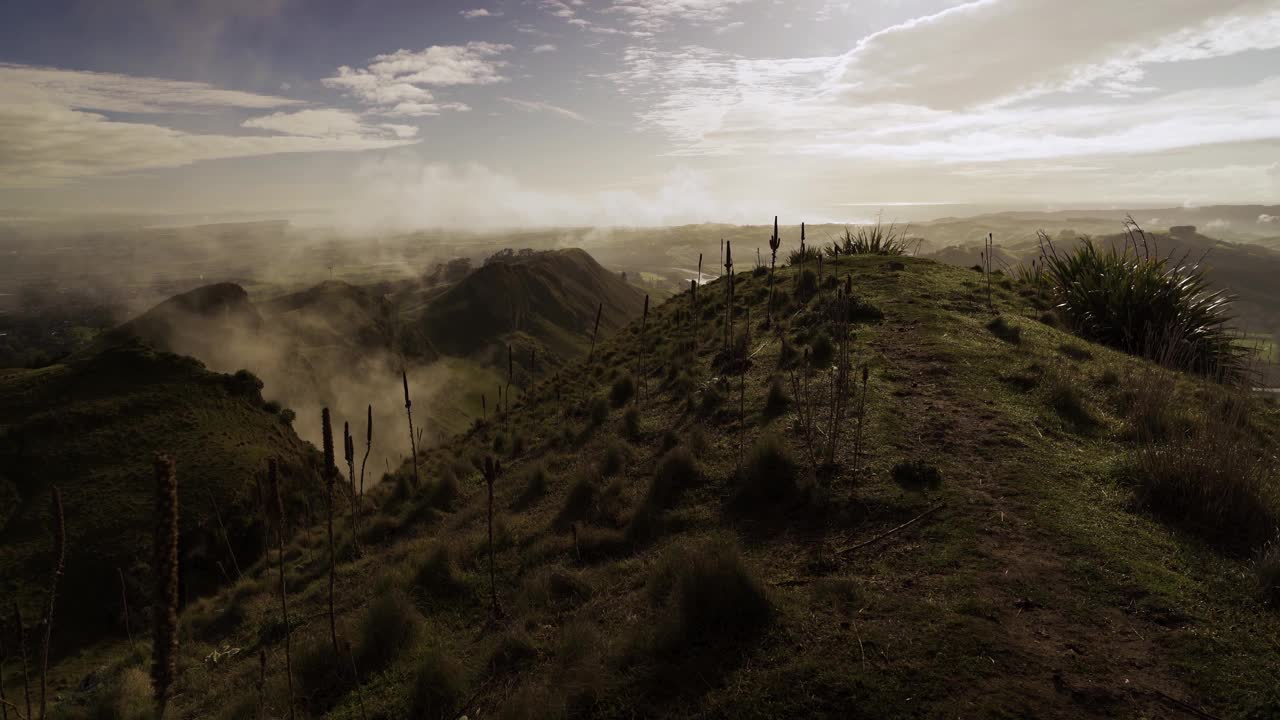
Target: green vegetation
{"x":713,"y":574}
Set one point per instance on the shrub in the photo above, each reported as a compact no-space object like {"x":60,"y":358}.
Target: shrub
{"x":821,"y":351}
{"x":776,"y":402}
{"x":436,"y":574}
{"x":1145,"y":305}
{"x":577,"y":504}
{"x":513,"y":650}
{"x":631,"y":423}
{"x":710,"y":596}
{"x":390,"y":624}
{"x":870,"y":240}
{"x":535,"y":486}
{"x":322,"y":678}
{"x":676,"y":471}
{"x":770,"y":474}
{"x":552,"y":588}
{"x":808,"y":284}
{"x":917,"y":476}
{"x":1266,"y":568}
{"x":624,"y":388}
{"x":598,"y":411}
{"x":615,"y":458}
{"x":1212,"y":479}
{"x":1004,"y":330}
{"x":438,"y":686}
{"x":444,"y":491}
{"x":287,"y":416}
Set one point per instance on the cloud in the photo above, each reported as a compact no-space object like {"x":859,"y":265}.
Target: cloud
{"x":545,"y":48}
{"x":543,"y":107}
{"x":328,"y":123}
{"x":478,"y":13}
{"x":994,"y":50}
{"x":400,"y":195}
{"x":113,"y":92}
{"x":933,"y":90}
{"x":656,"y":15}
{"x":47,"y":140}
{"x":394,"y":83}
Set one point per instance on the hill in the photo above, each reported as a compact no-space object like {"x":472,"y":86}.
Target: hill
{"x":550,"y":298}
{"x":980,"y":543}
{"x":91,"y":427}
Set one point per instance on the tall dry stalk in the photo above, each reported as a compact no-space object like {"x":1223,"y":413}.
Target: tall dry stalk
{"x":124,"y":605}
{"x":330,"y":470}
{"x":349,"y":454}
{"x":492,"y":469}
{"x":275,"y":516}
{"x":226,"y":538}
{"x":368,"y":447}
{"x":408,"y":410}
{"x":774,"y":243}
{"x":22,"y":656}
{"x":59,"y":529}
{"x":644,"y":322}
{"x":595,"y":333}
{"x":988,"y":247}
{"x":728,"y":297}
{"x":165,"y":607}
{"x":862,"y":414}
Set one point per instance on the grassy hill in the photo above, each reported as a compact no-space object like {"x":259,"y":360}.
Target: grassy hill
{"x":989,"y":540}
{"x":549,"y":298}
{"x":92,"y":427}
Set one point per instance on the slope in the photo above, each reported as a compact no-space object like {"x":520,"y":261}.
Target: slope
{"x":548,"y":299}
{"x":684,"y":557}
{"x":91,"y":427}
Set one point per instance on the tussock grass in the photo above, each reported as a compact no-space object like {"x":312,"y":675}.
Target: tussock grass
{"x":624,"y":388}
{"x":438,"y":687}
{"x":708,"y":596}
{"x":770,"y":475}
{"x":389,"y":626}
{"x":436,"y":575}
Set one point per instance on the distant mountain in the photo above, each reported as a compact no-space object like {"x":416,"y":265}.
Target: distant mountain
{"x":548,"y":299}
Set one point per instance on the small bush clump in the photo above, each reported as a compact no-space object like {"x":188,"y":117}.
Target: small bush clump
{"x":710,"y":596}
{"x":614,"y":460}
{"x":770,"y":474}
{"x":390,"y":624}
{"x":436,"y":575}
{"x":438,"y":686}
{"x":631,"y":423}
{"x":777,"y":401}
{"x":917,"y":476}
{"x":624,"y":388}
{"x":1005,"y":330}
{"x":598,"y":411}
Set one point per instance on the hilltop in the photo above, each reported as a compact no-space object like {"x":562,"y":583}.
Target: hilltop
{"x":980,"y":545}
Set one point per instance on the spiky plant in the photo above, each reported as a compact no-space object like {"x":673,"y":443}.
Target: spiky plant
{"x":1146,"y":305}
{"x":492,"y":469}
{"x":871,"y":240}
{"x":368,"y":447}
{"x":274,"y":510}
{"x":59,"y":531}
{"x":330,"y":470}
{"x":774,"y":243}
{"x":349,"y":454}
{"x":165,"y":606}
{"x":408,"y":410}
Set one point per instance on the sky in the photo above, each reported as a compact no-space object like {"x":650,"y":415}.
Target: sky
{"x":503,"y":113}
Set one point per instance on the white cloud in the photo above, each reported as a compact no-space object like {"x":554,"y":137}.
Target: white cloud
{"x":478,"y":13}
{"x":329,"y":123}
{"x":543,"y":107}
{"x":545,"y":48}
{"x":113,"y":92}
{"x":46,"y":140}
{"x":993,"y":50}
{"x":656,"y":15}
{"x":394,"y":83}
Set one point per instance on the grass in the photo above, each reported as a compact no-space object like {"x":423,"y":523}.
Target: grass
{"x":765,"y":613}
